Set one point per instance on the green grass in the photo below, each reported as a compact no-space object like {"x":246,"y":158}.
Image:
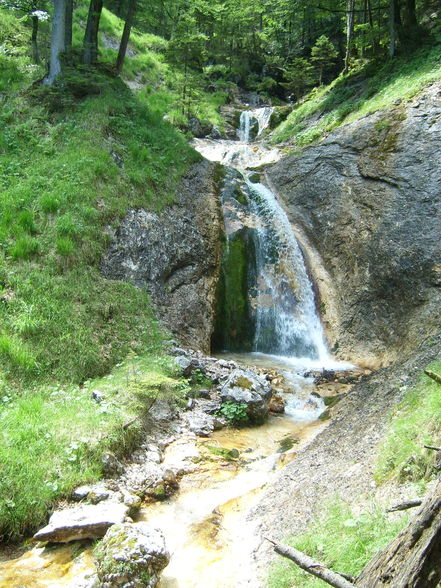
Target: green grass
{"x":46,"y":449}
{"x":344,"y":539}
{"x":357,"y":94}
{"x":416,"y":422}
{"x":60,"y":190}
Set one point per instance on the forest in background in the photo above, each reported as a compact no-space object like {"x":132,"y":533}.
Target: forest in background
{"x":278,"y":49}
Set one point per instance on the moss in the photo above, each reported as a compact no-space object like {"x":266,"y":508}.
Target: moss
{"x":234,"y":324}
{"x":228,"y":454}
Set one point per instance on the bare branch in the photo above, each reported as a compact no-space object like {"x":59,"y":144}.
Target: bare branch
{"x":311,"y":566}
{"x":405,"y":505}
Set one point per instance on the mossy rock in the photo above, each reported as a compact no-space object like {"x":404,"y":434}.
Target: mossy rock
{"x":131,"y":556}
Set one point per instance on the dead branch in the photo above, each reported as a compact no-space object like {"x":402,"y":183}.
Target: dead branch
{"x":432,"y":447}
{"x":433,"y":375}
{"x":311,"y":566}
{"x":405,"y":505}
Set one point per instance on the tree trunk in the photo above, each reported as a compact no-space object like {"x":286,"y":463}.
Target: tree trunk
{"x":90,"y":43}
{"x":349,"y":32}
{"x":410,"y":22}
{"x":34,"y":43}
{"x":392,"y":29}
{"x":57,"y":41}
{"x":125,"y":36}
{"x":412,"y":559}
{"x":68,"y":25}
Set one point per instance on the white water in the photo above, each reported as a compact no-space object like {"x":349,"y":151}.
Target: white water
{"x":248,"y":118}
{"x":287,"y":322}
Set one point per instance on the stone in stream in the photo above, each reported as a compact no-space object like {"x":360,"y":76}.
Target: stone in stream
{"x":245,"y":387}
{"x":87,"y":521}
{"x":131,"y":556}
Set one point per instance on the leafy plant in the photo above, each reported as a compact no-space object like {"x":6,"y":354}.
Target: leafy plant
{"x":234,"y":412}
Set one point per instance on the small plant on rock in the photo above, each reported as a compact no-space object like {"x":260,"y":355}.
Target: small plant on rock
{"x":234,"y":412}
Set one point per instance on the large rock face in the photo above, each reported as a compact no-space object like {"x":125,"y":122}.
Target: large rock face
{"x":366,"y":205}
{"x":175,"y":255}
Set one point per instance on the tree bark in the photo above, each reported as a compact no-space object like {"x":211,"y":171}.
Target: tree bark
{"x":34,"y":42}
{"x":57,"y":41}
{"x":125,"y":36}
{"x":406,"y":505}
{"x":349,"y":32}
{"x":90,"y":43}
{"x":433,"y":375}
{"x":311,"y":566}
{"x":68,"y":25}
{"x":412,"y":559}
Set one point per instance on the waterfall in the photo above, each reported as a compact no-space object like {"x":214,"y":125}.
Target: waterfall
{"x":253,"y":120}
{"x":267,"y":302}
{"x":286,"y":318}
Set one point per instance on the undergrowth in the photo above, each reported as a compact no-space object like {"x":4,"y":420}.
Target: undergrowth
{"x":344,"y":539}
{"x":357,"y":94}
{"x":416,"y":422}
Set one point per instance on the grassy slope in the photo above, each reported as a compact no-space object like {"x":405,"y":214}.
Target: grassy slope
{"x":347,"y":536}
{"x":61,"y":322}
{"x":357,"y":94}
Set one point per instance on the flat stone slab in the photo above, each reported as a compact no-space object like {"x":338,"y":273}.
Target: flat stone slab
{"x":88,"y":521}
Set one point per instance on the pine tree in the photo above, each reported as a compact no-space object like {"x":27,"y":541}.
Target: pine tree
{"x":323,"y":54}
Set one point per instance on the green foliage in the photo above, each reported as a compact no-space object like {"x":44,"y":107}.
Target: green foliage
{"x":53,"y":437}
{"x":323,"y":54}
{"x":344,"y":539}
{"x":298,"y":76}
{"x":234,"y":412}
{"x":415,"y":422}
{"x":371,"y":88}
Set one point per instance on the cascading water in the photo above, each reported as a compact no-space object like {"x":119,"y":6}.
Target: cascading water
{"x":250,"y":119}
{"x":279,"y":305}
{"x":286,"y":321}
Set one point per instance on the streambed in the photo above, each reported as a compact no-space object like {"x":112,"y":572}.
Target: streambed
{"x":204,"y":524}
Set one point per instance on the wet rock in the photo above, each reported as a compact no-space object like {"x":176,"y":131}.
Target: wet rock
{"x":184,"y":364}
{"x":82,"y":522}
{"x":97,"y":396}
{"x":131,"y":556}
{"x":367,"y":200}
{"x":277,"y":403}
{"x":81,"y":493}
{"x":200,"y":424}
{"x":245,"y":387}
{"x":199,"y":128}
{"x":163,"y":410}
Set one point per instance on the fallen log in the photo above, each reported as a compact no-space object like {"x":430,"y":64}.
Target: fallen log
{"x":311,"y":566}
{"x":411,"y":560}
{"x":405,"y":505}
{"x":433,"y":375}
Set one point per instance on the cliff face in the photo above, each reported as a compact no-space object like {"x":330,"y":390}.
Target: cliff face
{"x":366,"y":204}
{"x":176,"y":256}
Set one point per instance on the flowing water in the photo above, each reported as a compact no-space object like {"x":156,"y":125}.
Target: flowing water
{"x":205,"y":524}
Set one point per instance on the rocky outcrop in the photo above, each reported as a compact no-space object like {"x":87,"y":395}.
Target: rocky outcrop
{"x":365,"y":204}
{"x":131,"y":556}
{"x":175,"y":255}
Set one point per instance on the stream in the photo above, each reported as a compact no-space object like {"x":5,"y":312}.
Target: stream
{"x":205,"y":524}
